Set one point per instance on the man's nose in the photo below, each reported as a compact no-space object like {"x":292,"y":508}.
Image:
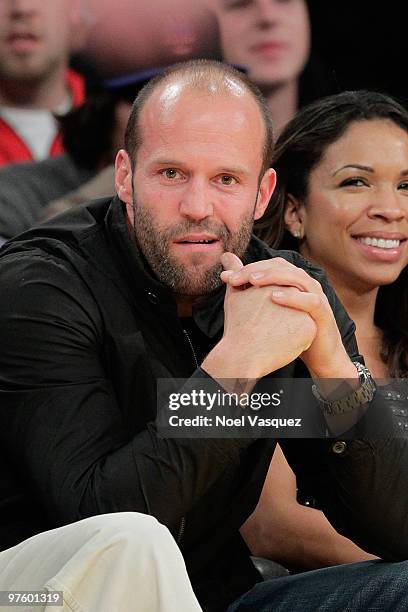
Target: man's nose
{"x":20,"y":8}
{"x":265,"y":12}
{"x":196,"y":202}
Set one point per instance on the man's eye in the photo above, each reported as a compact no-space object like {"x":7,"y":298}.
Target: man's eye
{"x":237,"y":4}
{"x":170,"y":173}
{"x":226,"y":179}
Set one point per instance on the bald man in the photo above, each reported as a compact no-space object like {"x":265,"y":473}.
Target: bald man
{"x":165,"y":281}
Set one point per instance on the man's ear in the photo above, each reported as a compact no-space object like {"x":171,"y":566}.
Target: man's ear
{"x":123,"y":181}
{"x":266,"y":187}
{"x":294,"y":214}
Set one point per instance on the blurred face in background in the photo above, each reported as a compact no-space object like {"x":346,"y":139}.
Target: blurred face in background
{"x":270,"y":38}
{"x":35,"y":37}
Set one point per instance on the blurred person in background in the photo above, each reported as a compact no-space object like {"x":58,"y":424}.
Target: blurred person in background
{"x":103,"y":144}
{"x":144,"y":34}
{"x":342,"y":202}
{"x":92,"y":134}
{"x":37,"y":38}
{"x":271,"y":40}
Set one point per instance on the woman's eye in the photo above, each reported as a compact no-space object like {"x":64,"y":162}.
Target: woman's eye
{"x":403,"y":185}
{"x":353,"y":182}
{"x":170,"y":173}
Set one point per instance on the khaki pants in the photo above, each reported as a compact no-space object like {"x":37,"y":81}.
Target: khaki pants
{"x":121,"y":562}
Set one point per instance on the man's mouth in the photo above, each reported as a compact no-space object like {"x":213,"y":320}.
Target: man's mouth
{"x":22,"y":41}
{"x":268,"y":47}
{"x":203,"y":242}
{"x":197,"y":239}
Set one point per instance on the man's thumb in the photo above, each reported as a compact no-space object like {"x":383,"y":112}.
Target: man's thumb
{"x":231,"y":262}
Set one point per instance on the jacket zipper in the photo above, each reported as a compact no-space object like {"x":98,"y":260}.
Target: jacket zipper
{"x":192,"y":348}
{"x":181,"y":530}
{"x":183,"y":518}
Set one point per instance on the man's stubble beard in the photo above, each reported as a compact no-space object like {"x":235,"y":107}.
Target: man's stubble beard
{"x":194,"y":280}
{"x":28,"y":72}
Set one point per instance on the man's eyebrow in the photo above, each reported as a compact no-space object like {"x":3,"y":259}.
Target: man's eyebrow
{"x":174,"y":163}
{"x":167,"y":162}
{"x":233,"y":170}
{"x":356,"y":166}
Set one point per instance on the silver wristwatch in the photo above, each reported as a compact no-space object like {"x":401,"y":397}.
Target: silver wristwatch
{"x":355,"y":399}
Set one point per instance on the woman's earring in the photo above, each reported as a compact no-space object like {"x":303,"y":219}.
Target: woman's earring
{"x":296,"y":233}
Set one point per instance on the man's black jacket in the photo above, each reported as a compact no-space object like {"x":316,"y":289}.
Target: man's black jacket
{"x":85,"y":332}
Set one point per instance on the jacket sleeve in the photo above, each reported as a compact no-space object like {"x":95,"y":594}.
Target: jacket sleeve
{"x":360,"y":484}
{"x":59,"y":419}
{"x":27,"y":187}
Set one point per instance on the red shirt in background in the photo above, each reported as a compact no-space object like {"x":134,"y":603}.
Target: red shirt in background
{"x":12,"y":146}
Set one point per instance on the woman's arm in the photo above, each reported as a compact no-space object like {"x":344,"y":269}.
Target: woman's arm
{"x":298,"y":537}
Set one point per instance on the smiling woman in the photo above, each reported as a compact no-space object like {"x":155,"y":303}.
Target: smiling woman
{"x":354,"y":219}
{"x":342,"y":201}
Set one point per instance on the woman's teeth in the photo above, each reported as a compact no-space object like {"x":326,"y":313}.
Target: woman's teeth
{"x":380,"y":243}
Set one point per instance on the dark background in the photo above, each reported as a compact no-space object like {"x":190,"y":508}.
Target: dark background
{"x":362,"y":44}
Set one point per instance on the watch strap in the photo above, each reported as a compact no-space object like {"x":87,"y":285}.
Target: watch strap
{"x":353,"y":400}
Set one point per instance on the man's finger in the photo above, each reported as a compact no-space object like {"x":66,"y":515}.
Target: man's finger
{"x":312,"y":303}
{"x":275,"y":274}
